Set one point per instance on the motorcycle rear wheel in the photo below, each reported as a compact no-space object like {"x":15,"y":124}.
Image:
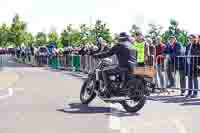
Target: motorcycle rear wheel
{"x":140,"y":99}
{"x":133,"y":109}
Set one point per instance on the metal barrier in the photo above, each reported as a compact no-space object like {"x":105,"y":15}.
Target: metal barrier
{"x":3,"y":60}
{"x":76,"y":62}
{"x":79,"y":63}
{"x":61,"y":60}
{"x":83,"y":63}
{"x":87,"y":63}
{"x":180,"y":72}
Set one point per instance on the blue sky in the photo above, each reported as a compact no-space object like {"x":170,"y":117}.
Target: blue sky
{"x":41,"y":15}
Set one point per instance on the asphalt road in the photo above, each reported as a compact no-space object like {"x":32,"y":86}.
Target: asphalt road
{"x":43,"y":100}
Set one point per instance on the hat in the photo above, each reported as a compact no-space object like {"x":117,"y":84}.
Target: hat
{"x":123,"y":35}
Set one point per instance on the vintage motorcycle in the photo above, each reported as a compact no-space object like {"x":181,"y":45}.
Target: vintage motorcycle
{"x":132,"y":96}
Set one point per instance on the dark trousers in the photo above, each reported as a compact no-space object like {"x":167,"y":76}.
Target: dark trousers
{"x":66,"y":59}
{"x":18,"y":54}
{"x":160,"y":77}
{"x":182,"y":74}
{"x":193,"y":84}
{"x":192,"y":80}
{"x":170,"y":70}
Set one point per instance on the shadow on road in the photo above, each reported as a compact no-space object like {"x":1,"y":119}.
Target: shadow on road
{"x":191,"y":104}
{"x":176,"y":99}
{"x":52,"y":69}
{"x":180,"y":100}
{"x":78,"y":108}
{"x":77,"y":75}
{"x":122,"y":114}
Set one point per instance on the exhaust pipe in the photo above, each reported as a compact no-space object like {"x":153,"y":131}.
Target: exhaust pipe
{"x":115,"y":99}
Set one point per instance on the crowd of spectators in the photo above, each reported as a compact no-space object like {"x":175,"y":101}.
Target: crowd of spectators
{"x":169,"y":58}
{"x":173,"y":58}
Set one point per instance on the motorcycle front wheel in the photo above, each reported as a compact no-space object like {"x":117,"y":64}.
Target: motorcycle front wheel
{"x":87,"y":93}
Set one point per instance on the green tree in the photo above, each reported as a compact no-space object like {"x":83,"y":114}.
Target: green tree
{"x":69,"y":31}
{"x":69,"y":28}
{"x":134,"y":29}
{"x":29,"y":39}
{"x":18,"y":29}
{"x":75,"y":37}
{"x":174,"y":30}
{"x":183,"y":37}
{"x":84,"y":34}
{"x":4,"y":35}
{"x":70,"y":36}
{"x":154,"y":32}
{"x":41,"y":39}
{"x":59,"y":44}
{"x":53,"y":37}
{"x":64,"y":38}
{"x":101,"y":30}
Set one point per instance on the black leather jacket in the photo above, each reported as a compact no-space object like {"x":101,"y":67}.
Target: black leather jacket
{"x":123,"y":53}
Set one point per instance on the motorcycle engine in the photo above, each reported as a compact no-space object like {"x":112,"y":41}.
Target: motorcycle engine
{"x":112,"y":78}
{"x":115,"y":82}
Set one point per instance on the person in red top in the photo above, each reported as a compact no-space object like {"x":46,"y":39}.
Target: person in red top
{"x":159,"y":62}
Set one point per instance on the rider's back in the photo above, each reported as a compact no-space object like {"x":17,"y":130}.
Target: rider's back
{"x":123,"y":55}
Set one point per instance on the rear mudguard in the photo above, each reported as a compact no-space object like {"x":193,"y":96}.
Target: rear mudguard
{"x":135,"y":79}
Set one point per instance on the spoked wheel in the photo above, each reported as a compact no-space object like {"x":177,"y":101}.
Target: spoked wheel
{"x":133,"y":106}
{"x":137,"y":99}
{"x":87,"y":93}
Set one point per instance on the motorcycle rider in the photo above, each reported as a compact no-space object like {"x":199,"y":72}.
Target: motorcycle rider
{"x":101,"y":44}
{"x":124,"y":56}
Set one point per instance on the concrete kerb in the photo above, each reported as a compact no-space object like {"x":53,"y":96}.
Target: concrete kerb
{"x":21,"y":62}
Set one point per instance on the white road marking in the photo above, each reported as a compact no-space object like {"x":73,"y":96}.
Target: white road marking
{"x":19,"y":89}
{"x":114,"y":121}
{"x":179,"y":126}
{"x":125,"y":130}
{"x":10,"y":93}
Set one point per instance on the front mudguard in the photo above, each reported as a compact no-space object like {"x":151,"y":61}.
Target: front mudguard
{"x":92,"y":76}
